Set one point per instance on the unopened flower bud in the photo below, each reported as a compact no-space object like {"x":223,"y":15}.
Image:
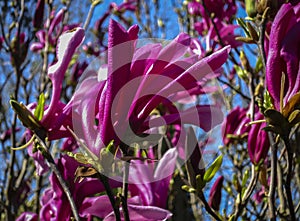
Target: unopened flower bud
{"x":215,"y":194}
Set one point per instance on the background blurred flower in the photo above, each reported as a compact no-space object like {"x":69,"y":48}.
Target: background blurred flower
{"x":235,"y":124}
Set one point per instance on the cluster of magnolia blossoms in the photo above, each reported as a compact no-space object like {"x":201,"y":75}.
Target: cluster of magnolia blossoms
{"x":212,"y":24}
{"x":138,"y":82}
{"x":282,"y":53}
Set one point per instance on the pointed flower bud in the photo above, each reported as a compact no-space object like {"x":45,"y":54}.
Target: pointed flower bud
{"x":38,"y":14}
{"x":215,"y":194}
{"x":258,"y":141}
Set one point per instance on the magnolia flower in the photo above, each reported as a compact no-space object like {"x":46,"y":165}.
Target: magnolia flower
{"x":55,"y":29}
{"x":148,"y":188}
{"x":138,"y":81}
{"x":283,"y":54}
{"x":235,"y":124}
{"x":54,"y":203}
{"x":223,"y":10}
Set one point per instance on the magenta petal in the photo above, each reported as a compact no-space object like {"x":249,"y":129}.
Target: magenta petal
{"x":28,"y":216}
{"x":284,"y":19}
{"x":147,"y":213}
{"x":67,"y":44}
{"x":172,"y":52}
{"x":140,"y":176}
{"x":84,"y":113}
{"x":166,"y":165}
{"x":143,"y":58}
{"x":162,"y":175}
{"x":96,"y":206}
{"x":120,"y":53}
{"x":56,"y":20}
{"x":143,"y":213}
{"x":208,"y":117}
{"x":290,"y":54}
{"x":187,"y":78}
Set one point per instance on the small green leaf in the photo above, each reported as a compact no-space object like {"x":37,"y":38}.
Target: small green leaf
{"x":244,"y":181}
{"x":200,"y":183}
{"x":268,"y":101}
{"x":241,"y":73}
{"x":245,"y":40}
{"x":188,"y":189}
{"x":258,"y":65}
{"x":294,"y":117}
{"x":39,"y":111}
{"x":252,"y":31}
{"x":242,"y":23}
{"x":212,"y":170}
{"x":25,"y":116}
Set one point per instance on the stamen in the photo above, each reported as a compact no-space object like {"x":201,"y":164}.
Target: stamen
{"x":255,"y":122}
{"x":282,"y":91}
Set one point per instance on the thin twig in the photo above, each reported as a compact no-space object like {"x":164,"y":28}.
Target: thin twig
{"x":271,"y":195}
{"x":110,"y":195}
{"x":125,"y":191}
{"x":233,"y":88}
{"x":289,"y":178}
{"x":207,"y":207}
{"x":89,"y":17}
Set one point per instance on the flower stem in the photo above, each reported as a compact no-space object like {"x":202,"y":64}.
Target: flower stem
{"x":110,"y":195}
{"x":288,"y":178}
{"x":244,"y":199}
{"x":89,"y":16}
{"x":207,"y":207}
{"x":125,"y":191}
{"x":271,"y":195}
{"x":59,"y":176}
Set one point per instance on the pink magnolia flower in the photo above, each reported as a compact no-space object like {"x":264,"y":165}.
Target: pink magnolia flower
{"x":235,"y":124}
{"x":258,"y":141}
{"x":283,"y":53}
{"x":54,"y":203}
{"x":138,"y":81}
{"x":55,"y":29}
{"x":148,"y":188}
{"x":223,"y":10}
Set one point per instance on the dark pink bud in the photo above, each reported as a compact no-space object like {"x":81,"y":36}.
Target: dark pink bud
{"x":215,"y":194}
{"x":194,"y":8}
{"x":39,"y":14}
{"x":1,"y":42}
{"x":258,"y":141}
